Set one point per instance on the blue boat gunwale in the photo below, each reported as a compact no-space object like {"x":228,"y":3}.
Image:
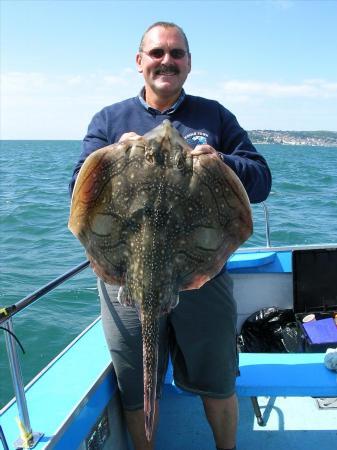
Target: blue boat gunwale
{"x":266,"y":261}
{"x":98,"y":387}
{"x":50,"y":364}
{"x":86,"y":410}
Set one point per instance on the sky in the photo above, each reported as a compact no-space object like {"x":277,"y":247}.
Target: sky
{"x":272,"y":63}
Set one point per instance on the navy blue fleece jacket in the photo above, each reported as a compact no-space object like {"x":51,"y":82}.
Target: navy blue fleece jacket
{"x":199,"y":121}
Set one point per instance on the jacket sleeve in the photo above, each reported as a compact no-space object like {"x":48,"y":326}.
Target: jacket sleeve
{"x":95,"y":138}
{"x":250,"y":166}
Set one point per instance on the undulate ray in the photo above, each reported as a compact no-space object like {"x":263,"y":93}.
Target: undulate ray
{"x":156,"y":221}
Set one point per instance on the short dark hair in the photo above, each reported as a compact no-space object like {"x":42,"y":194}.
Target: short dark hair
{"x":165,"y":25}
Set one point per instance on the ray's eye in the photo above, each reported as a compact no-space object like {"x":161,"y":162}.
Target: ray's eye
{"x":132,"y":225}
{"x":148,"y":211}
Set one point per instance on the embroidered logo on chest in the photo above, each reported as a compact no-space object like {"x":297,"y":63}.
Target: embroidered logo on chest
{"x":196,"y":138}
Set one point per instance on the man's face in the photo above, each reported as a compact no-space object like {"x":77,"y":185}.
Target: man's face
{"x":164,"y":76}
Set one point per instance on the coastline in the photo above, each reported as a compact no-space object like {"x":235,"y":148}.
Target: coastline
{"x":279,"y":137}
{"x":297,"y":138}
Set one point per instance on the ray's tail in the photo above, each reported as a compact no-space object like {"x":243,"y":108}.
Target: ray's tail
{"x":150,"y":331}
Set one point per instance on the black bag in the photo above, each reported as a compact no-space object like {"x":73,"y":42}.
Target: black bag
{"x":315,"y":292}
{"x":270,"y":330}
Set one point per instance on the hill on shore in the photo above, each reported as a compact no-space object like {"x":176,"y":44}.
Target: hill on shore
{"x":314,"y":138}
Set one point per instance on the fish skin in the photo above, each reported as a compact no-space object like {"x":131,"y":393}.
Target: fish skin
{"x":157,"y":221}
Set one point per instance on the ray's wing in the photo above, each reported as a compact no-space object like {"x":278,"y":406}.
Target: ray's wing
{"x":94,"y":219}
{"x":221,"y":216}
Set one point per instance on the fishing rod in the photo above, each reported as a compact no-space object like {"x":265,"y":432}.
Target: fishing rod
{"x":28,"y":438}
{"x":9,"y":311}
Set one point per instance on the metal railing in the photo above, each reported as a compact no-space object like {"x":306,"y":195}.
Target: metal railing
{"x":267,"y":226}
{"x":28,"y":438}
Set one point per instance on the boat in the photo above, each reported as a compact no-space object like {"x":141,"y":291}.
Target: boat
{"x":73,"y":402}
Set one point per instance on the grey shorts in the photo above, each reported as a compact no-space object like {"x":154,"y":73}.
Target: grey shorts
{"x":199,"y":334}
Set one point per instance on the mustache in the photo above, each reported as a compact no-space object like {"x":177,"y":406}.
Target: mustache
{"x":167,"y":69}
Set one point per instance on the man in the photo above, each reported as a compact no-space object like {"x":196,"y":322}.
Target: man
{"x":200,"y":332}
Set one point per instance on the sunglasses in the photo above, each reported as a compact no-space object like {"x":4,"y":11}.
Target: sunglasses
{"x":158,"y":53}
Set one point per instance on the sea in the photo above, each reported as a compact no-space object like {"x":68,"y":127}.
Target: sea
{"x":36,"y":245}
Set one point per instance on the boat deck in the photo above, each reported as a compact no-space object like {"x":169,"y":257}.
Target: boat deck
{"x":293,"y":423}
{"x":70,"y":395}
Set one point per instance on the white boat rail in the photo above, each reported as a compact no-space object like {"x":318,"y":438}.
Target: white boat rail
{"x":267,"y":226}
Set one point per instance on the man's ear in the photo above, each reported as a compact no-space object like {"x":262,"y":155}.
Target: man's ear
{"x":139,"y":62}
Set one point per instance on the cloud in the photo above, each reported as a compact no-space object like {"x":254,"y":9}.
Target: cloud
{"x":278,"y":5}
{"x":57,"y":106}
{"x":284,"y":5}
{"x":306,"y":105}
{"x":34,"y":83}
{"x":17,"y":82}
{"x":305,"y":89}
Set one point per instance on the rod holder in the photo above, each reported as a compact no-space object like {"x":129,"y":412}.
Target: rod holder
{"x":27,"y":438}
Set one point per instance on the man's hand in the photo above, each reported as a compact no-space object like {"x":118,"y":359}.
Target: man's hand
{"x":205,"y":149}
{"x":131,"y":136}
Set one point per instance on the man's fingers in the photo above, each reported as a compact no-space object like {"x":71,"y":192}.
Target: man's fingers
{"x":131,"y":136}
{"x":203,"y":149}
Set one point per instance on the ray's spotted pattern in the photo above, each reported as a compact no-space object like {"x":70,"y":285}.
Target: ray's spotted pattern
{"x":156,"y":221}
